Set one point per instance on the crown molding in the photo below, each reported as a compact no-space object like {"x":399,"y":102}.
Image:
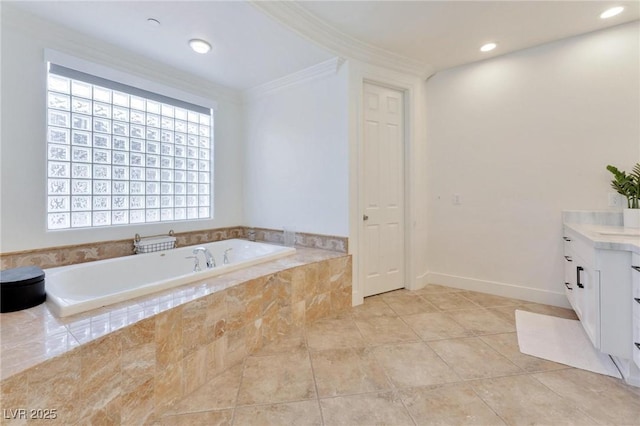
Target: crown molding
{"x":309,"y":26}
{"x":313,"y":72}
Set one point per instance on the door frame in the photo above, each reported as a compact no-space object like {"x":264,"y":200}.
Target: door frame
{"x":410,"y":86}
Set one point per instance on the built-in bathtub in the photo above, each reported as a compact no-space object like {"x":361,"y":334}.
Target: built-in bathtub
{"x":82,"y":287}
{"x":131,"y":361}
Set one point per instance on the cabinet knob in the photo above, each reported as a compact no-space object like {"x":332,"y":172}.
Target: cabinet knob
{"x":637,"y":268}
{"x":568,"y":286}
{"x":569,"y":258}
{"x":637,"y":344}
{"x":636,"y":299}
{"x":566,"y":238}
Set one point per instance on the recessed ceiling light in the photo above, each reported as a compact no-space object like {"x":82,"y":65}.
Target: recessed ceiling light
{"x":199,"y":46}
{"x":153,"y":22}
{"x":487,"y":47}
{"x":611,"y":12}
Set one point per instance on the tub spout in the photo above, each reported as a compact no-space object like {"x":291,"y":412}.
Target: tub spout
{"x":208,"y":257}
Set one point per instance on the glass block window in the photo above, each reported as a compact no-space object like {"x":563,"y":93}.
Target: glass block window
{"x":119,"y":155}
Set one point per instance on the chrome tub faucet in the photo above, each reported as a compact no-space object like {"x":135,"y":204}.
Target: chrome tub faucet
{"x":208,"y":257}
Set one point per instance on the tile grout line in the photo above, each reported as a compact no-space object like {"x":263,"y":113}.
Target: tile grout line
{"x":397,"y":392}
{"x":395,"y":389}
{"x":576,"y":406}
{"x":561,"y":366}
{"x":376,"y":392}
{"x":521,"y":370}
{"x":475,"y":335}
{"x":313,"y":373}
{"x":424,"y":342}
{"x":235,"y":403}
{"x":473,"y":388}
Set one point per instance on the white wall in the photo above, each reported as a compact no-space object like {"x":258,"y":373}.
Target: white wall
{"x":296,"y":157}
{"x":520,"y":138}
{"x":23,"y":144}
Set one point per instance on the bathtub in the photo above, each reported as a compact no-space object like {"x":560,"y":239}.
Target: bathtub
{"x":79,"y":288}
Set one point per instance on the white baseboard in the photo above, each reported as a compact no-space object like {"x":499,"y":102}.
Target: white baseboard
{"x":500,"y":289}
{"x":420,"y":281}
{"x":356,"y":298}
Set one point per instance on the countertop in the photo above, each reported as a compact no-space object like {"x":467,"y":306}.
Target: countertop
{"x":609,"y":237}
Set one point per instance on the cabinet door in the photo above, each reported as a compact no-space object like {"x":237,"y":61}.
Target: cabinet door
{"x":587,"y":295}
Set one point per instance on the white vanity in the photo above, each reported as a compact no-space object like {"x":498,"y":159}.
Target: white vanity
{"x":603,"y":286}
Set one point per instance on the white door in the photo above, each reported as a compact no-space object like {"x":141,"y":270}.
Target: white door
{"x":382,"y":190}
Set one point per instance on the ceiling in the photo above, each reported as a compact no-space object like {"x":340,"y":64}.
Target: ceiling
{"x":254,"y":43}
{"x":449,"y":33}
{"x":249,"y":48}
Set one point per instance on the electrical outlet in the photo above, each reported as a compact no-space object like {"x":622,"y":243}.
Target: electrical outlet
{"x":614,"y":199}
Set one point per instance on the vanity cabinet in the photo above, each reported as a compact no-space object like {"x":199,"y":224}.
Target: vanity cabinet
{"x":635,"y":303}
{"x":596,"y":283}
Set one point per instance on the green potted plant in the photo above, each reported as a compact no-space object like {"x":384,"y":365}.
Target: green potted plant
{"x":629,"y":186}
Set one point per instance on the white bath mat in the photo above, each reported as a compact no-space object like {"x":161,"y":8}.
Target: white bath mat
{"x":561,"y":340}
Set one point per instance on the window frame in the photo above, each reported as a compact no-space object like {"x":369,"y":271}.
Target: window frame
{"x":143,"y":85}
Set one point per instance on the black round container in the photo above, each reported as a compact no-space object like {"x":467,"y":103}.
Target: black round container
{"x":21,"y":288}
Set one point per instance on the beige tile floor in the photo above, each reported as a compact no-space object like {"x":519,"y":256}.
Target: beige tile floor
{"x":437,"y":356}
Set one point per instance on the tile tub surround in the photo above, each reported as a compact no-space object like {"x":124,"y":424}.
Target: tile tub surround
{"x":52,"y":257}
{"x":326,"y":242}
{"x":124,"y":363}
{"x":80,"y":253}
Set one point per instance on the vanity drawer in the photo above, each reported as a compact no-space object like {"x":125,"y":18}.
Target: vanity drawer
{"x":575,"y":245}
{"x":567,"y":238}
